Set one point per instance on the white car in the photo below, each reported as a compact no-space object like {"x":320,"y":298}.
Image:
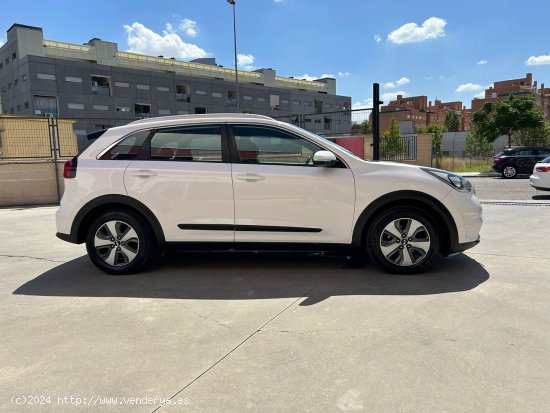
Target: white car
{"x":236,"y":182}
{"x":541,"y":175}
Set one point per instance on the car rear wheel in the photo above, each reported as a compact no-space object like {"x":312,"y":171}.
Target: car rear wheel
{"x":120,"y":242}
{"x":403,"y":240}
{"x":509,"y":172}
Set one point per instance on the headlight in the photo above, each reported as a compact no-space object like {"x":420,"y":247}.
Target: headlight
{"x":457,"y":182}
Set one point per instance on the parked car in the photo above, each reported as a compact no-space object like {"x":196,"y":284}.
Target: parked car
{"x":231,"y":181}
{"x":541,"y":175}
{"x":519,"y":160}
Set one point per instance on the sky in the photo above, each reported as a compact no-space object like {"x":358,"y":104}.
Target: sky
{"x":444,"y":49}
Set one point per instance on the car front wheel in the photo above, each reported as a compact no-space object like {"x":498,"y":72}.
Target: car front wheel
{"x":403,"y":240}
{"x":120,"y":242}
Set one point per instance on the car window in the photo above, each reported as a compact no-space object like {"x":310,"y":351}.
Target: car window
{"x":191,"y":144}
{"x":525,"y":152}
{"x":544,"y":152}
{"x":264,"y":145}
{"x":547,"y":160}
{"x":128,"y":148}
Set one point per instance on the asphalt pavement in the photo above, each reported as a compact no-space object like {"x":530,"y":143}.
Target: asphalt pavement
{"x":274,"y":332}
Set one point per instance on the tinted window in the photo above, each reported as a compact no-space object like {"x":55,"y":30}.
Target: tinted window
{"x":128,"y":148}
{"x":547,"y":160}
{"x":264,"y":145}
{"x":196,"y":143}
{"x":525,"y":152}
{"x":544,"y":152}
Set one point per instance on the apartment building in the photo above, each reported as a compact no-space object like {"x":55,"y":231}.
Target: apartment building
{"x":99,"y":86}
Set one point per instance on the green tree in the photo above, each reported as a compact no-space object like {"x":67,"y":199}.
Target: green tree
{"x":452,"y":121}
{"x":437,"y":140}
{"x":477,"y":146}
{"x":391,"y":144}
{"x":533,"y":136}
{"x":364,"y":127}
{"x":507,"y":117}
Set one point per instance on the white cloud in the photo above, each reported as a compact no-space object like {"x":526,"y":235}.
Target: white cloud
{"x":388,"y":85}
{"x":343,"y":74}
{"x":324,"y":75}
{"x":310,"y":78}
{"x":480,"y":95}
{"x":377,"y":38}
{"x":403,"y":81}
{"x":482,"y":62}
{"x":278,"y":1}
{"x":538,"y":60}
{"x":386,"y":97}
{"x":189,"y":27}
{"x":2,"y":41}
{"x":246,"y":61}
{"x":432,"y":28}
{"x":363,"y":104}
{"x":469,"y":87}
{"x":145,"y":41}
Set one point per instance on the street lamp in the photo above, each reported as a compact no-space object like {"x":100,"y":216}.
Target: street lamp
{"x":232,"y":2}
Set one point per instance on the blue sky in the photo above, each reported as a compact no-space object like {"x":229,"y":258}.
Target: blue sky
{"x":443,"y":49}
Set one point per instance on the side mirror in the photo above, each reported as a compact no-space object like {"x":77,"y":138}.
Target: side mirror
{"x":324,"y":158}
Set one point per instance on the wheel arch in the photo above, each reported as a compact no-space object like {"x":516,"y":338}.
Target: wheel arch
{"x":97,"y":206}
{"x":443,"y":218}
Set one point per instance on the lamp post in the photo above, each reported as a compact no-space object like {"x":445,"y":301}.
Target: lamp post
{"x":232,"y":2}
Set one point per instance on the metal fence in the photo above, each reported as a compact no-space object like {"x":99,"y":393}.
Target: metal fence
{"x":37,"y":138}
{"x":402,"y":148}
{"x":343,"y":122}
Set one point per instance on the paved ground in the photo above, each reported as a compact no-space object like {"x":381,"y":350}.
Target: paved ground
{"x":497,"y":188}
{"x":252,"y":332}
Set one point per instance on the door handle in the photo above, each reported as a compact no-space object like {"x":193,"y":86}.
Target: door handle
{"x":144,"y":173}
{"x":250,"y":177}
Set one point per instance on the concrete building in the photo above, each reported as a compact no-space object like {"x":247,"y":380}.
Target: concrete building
{"x":100,"y":86}
{"x":524,"y":86}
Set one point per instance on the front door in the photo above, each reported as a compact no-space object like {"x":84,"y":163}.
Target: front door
{"x":281,"y":197}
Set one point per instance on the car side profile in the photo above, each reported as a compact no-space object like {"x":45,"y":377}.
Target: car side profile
{"x":540,"y":179}
{"x":519,"y":160}
{"x":249,"y":182}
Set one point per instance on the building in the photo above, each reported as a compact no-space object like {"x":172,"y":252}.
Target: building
{"x":525,"y":86}
{"x":416,"y":111}
{"x":100,"y":86}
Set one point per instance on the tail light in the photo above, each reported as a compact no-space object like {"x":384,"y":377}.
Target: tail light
{"x":543,"y":168}
{"x":497,"y":159}
{"x":69,"y":168}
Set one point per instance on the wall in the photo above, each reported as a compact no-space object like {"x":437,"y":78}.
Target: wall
{"x":29,"y":182}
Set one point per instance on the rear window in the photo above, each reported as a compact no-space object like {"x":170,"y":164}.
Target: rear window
{"x":128,"y":148}
{"x":547,"y":160}
{"x":505,"y":153}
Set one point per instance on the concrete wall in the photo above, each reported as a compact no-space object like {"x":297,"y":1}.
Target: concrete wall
{"x":454,"y":144}
{"x":29,"y":182}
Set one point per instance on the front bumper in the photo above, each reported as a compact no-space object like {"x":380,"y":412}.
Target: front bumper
{"x":457,"y":248}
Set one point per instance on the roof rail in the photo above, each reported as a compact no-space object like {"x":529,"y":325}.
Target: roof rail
{"x":202,"y":116}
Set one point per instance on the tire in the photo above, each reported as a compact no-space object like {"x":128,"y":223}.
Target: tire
{"x":510,"y":171}
{"x":131,"y":249}
{"x":413,"y":234}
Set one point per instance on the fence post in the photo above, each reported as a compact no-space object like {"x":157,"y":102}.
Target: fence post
{"x":376,"y":122}
{"x":54,"y":142}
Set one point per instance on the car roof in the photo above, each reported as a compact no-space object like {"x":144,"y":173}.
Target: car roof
{"x":203,"y":117}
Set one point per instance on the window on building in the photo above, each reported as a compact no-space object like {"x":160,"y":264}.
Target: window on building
{"x":101,"y":85}
{"x":7,"y":60}
{"x":18,"y":108}
{"x":73,"y":79}
{"x":328,"y":123}
{"x":97,"y":127}
{"x":26,"y":105}
{"x":4,"y":89}
{"x":231,"y":98}
{"x":15,"y":82}
{"x":142,"y":87}
{"x":128,"y":148}
{"x":45,"y":76}
{"x":318,"y":106}
{"x":165,"y":112}
{"x":11,"y":111}
{"x":142,"y":110}
{"x":24,"y":77}
{"x":296,"y":102}
{"x":1,"y":65}
{"x":260,"y":99}
{"x":183,"y":93}
{"x":182,"y":112}
{"x":200,"y":92}
{"x":76,"y":106}
{"x":163,"y":89}
{"x":101,"y":107}
{"x":122,"y":84}
{"x":123,"y":109}
{"x":195,"y":144}
{"x":217,"y":94}
{"x":9,"y":86}
{"x":274,"y":102}
{"x":45,"y":105}
{"x":13,"y":56}
{"x":264,"y":145}
{"x":284,"y":101}
{"x":247,"y":97}
{"x":200,"y":111}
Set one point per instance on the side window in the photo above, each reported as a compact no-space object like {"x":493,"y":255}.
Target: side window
{"x":544,"y":152}
{"x":195,"y":144}
{"x":128,"y":148}
{"x":263,"y":145}
{"x":525,"y":152}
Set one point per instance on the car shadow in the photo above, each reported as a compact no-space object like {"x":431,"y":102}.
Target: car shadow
{"x":541,"y":197}
{"x":243,"y":276}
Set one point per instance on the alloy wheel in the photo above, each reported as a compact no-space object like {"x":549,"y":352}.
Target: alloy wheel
{"x":509,"y":172}
{"x":405,"y":242}
{"x":116,"y":243}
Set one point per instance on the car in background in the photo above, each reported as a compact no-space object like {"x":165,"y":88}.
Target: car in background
{"x":541,"y":175}
{"x":236,"y":182}
{"x":519,"y":160}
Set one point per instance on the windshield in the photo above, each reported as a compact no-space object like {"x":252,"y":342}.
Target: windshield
{"x":325,"y":140}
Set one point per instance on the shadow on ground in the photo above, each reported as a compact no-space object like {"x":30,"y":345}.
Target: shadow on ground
{"x":545,"y":197}
{"x":241,"y":276}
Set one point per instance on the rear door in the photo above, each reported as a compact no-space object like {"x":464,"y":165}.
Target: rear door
{"x":185,"y":179}
{"x":280,"y":196}
{"x":526,"y":159}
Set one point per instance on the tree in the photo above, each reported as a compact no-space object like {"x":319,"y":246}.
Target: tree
{"x":391,"y":144}
{"x":477,"y":146}
{"x":452,"y":121}
{"x":533,"y":136}
{"x":364,"y":127}
{"x":507,"y":117}
{"x":437,"y":140}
